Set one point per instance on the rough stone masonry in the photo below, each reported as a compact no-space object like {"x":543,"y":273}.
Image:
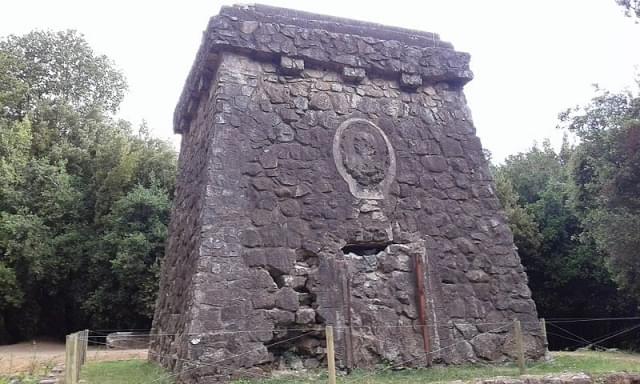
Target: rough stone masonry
{"x":330,"y":175}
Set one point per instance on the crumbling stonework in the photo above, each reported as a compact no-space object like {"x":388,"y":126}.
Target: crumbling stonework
{"x":330,"y":175}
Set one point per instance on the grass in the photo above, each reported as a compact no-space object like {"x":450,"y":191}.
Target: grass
{"x":125,"y":371}
{"x":593,"y":363}
{"x":24,"y":379}
{"x":30,"y":374}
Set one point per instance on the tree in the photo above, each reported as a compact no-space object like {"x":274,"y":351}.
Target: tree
{"x":535,"y":188}
{"x":526,"y":233}
{"x":530,"y":172}
{"x":61,"y":66}
{"x":632,"y":7}
{"x":128,"y":262}
{"x":606,"y":176}
{"x":83,"y":198}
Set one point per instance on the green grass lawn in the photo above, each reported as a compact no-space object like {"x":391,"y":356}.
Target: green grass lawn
{"x":127,"y":371}
{"x":594,"y":363}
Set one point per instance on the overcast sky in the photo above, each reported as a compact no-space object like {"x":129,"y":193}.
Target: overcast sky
{"x":531,"y":59}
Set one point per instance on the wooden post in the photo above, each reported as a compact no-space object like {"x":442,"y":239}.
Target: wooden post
{"x":71,"y":366}
{"x":543,"y":325}
{"x":75,"y":351}
{"x":331,"y":357}
{"x":85,"y":346}
{"x":80,"y":345}
{"x":67,"y":360}
{"x":81,"y":338}
{"x":519,"y":346}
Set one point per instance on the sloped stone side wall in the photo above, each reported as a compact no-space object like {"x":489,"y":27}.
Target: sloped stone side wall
{"x":173,"y":315}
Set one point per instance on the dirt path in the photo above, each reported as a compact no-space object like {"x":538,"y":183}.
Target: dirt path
{"x":32,"y":357}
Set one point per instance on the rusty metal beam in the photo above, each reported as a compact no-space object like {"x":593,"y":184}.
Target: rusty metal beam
{"x":422,"y":306}
{"x":346,"y":299}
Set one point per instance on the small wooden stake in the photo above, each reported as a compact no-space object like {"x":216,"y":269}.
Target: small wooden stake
{"x":519,"y":346}
{"x":331,"y":357}
{"x":543,"y":325}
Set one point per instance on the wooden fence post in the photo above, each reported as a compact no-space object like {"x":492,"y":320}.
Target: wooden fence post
{"x":67,"y":360}
{"x":331,"y":357}
{"x":85,"y":346}
{"x":79,"y":349}
{"x":76,"y":352}
{"x":519,"y":346}
{"x":71,"y":366}
{"x":76,"y":345}
{"x":543,"y":325}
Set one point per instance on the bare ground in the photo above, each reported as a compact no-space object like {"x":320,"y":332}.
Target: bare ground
{"x":36,"y":356}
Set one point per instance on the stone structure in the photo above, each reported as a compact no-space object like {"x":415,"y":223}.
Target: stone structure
{"x":330,"y":174}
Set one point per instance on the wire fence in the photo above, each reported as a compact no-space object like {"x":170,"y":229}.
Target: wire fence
{"x":223,"y":368}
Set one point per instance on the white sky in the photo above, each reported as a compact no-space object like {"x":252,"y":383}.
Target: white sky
{"x":532,"y":59}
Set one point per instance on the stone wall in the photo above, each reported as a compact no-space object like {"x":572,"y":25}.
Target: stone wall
{"x":311,"y":185}
{"x":176,"y":295}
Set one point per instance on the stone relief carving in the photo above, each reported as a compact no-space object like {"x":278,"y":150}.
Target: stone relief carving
{"x":365,"y":158}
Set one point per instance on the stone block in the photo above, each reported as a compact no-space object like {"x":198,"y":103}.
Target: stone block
{"x":305,"y":316}
{"x":291,"y":66}
{"x":411,"y":80}
{"x":287,"y":299}
{"x":353,"y":75}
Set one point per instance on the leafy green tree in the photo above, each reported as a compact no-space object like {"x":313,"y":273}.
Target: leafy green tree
{"x":530,"y":172}
{"x":61,"y":66}
{"x":526,"y":233}
{"x":606,"y":177}
{"x":83,"y":198}
{"x":536,"y":191}
{"x":128,"y":262}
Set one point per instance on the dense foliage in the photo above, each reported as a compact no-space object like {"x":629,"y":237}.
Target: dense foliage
{"x":606,"y":174}
{"x":576,"y":215}
{"x":84,"y":198}
{"x":632,"y":7}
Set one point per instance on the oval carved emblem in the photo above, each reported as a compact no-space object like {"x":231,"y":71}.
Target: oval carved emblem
{"x":365,"y":158}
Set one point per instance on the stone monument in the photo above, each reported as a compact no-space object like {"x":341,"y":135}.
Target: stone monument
{"x":330,"y":174}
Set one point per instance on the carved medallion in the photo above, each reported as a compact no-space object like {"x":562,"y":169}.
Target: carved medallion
{"x":364,"y":157}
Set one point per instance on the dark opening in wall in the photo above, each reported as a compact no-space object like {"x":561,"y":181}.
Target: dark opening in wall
{"x":277,"y":276}
{"x":365,"y":249}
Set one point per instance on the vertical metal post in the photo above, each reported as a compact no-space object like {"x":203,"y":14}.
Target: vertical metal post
{"x":422,"y":306}
{"x":349,"y":330}
{"x":331,"y":357}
